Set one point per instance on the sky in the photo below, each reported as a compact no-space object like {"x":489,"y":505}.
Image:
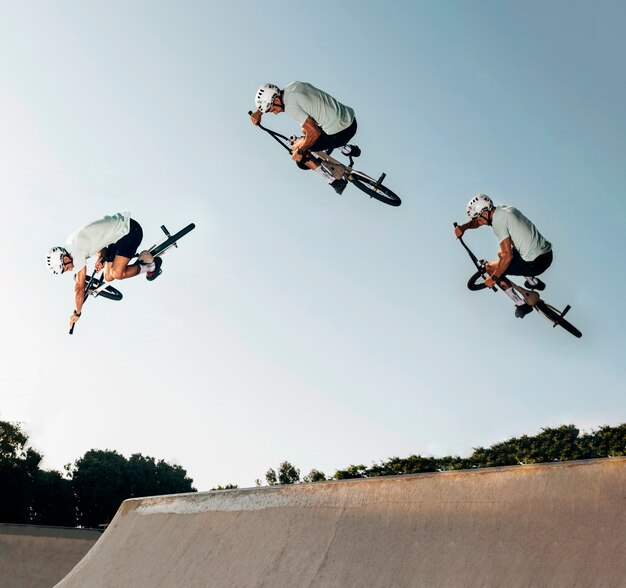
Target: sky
{"x":292,"y":323}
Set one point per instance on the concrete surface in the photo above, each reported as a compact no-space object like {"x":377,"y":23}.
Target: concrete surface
{"x":38,"y":557}
{"x":524,"y":526}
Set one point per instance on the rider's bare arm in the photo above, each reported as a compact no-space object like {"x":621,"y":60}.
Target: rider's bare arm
{"x":311,"y":132}
{"x":505,"y":256}
{"x":472,"y":224}
{"x":79,"y":289}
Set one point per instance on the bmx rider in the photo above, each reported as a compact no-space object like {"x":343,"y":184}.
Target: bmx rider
{"x":523,"y":250}
{"x":326,"y":123}
{"x":114,"y":239}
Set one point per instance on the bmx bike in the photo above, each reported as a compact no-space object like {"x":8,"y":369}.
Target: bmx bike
{"x":370,"y":186}
{"x":531,"y":297}
{"x":97,"y":287}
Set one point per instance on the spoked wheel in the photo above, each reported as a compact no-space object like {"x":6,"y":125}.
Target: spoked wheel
{"x":555,"y":316}
{"x":374,"y":189}
{"x":110,"y":293}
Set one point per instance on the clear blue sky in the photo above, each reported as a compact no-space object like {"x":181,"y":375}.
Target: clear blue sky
{"x":292,"y":323}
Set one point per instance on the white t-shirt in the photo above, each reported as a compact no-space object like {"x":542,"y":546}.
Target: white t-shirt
{"x":507,"y":221}
{"x":303,"y":100}
{"x":90,"y":239}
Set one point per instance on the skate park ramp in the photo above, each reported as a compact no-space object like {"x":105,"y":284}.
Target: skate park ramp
{"x":560,"y":524}
{"x":38,"y":557}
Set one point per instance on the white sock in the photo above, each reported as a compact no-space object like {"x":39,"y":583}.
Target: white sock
{"x":144,"y":269}
{"x":325,"y":173}
{"x":514,"y":296}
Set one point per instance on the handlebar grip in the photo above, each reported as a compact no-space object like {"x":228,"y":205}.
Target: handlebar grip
{"x":455,"y":224}
{"x":249,"y":113}
{"x":72,"y":329}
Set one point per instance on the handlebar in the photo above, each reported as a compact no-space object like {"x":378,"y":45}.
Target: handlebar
{"x":276,"y":136}
{"x":480,"y":267}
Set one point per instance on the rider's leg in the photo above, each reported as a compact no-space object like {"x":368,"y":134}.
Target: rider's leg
{"x":536,"y":267}
{"x":125,"y":249}
{"x":326,"y":142}
{"x":120,"y":270}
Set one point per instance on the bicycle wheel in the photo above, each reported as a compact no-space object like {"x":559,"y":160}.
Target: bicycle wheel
{"x":553,"y":315}
{"x":110,"y":293}
{"x":373,"y":189}
{"x":474,"y":285}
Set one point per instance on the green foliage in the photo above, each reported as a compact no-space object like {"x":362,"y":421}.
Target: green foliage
{"x":18,"y":468}
{"x":353,"y":471}
{"x":314,"y":476}
{"x":103,"y":479}
{"x":227,"y":487}
{"x":605,"y":442}
{"x":53,"y":502}
{"x":270,"y":477}
{"x":552,"y":444}
{"x":100,"y":485}
{"x":12,"y":442}
{"x":90,"y":491}
{"x":287,"y":474}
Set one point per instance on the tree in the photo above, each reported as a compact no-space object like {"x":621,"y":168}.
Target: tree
{"x":287,"y":474}
{"x":104,"y":479}
{"x":605,"y":442}
{"x":353,"y":471}
{"x":53,"y":501}
{"x":315,"y":476}
{"x":270,"y":477}
{"x":18,"y":467}
{"x":100,"y":485}
{"x":227,"y":487}
{"x":172,"y":479}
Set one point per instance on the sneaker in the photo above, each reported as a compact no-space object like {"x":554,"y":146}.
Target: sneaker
{"x":350,"y":150}
{"x":153,"y":275}
{"x":522,"y":310}
{"x":538,"y":286}
{"x":145,"y":258}
{"x":339,"y":185}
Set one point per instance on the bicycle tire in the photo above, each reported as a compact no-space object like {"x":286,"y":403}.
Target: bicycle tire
{"x":373,"y":189}
{"x":473,"y":284}
{"x":556,"y":318}
{"x":110,"y":293}
{"x":159,"y":249}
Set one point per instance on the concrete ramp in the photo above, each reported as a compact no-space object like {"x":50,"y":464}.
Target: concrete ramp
{"x":34,"y":556}
{"x":525,"y":526}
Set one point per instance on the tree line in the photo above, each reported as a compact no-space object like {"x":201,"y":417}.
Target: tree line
{"x":563,"y":443}
{"x":89,"y":491}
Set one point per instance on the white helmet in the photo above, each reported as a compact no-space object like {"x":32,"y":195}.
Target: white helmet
{"x":55,"y":260}
{"x":477,"y":205}
{"x":265,"y":96}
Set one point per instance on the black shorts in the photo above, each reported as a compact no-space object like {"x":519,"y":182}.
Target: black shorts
{"x":521,"y":267}
{"x":325,"y":142}
{"x":126,"y":246}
